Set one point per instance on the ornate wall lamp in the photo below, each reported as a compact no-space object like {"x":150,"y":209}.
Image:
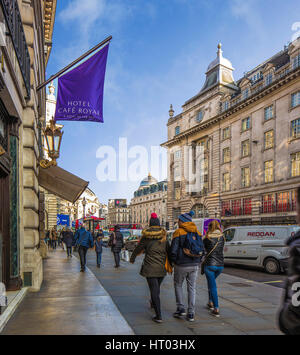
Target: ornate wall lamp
{"x":53,"y":136}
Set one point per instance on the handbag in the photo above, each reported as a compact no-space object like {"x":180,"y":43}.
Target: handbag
{"x":208,"y":255}
{"x":168,"y":266}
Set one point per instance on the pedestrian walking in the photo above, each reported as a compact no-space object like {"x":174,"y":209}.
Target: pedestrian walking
{"x":186,"y":252}
{"x":54,"y":238}
{"x":99,"y":249}
{"x":68,"y":238}
{"x":289,"y":314}
{"x":154,"y":244}
{"x":213,"y":264}
{"x":116,"y":243}
{"x":83,"y":241}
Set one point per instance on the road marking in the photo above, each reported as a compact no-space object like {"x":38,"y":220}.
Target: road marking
{"x":272,"y":282}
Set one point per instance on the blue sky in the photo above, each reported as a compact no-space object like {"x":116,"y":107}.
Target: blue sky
{"x":158,"y":56}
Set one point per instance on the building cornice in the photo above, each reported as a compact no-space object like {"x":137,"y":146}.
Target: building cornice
{"x":49,"y":18}
{"x":292,"y":75}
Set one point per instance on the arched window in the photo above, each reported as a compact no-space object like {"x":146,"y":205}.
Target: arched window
{"x":200,"y":211}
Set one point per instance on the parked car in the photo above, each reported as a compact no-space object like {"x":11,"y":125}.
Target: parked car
{"x":132,"y":242}
{"x":259,"y":246}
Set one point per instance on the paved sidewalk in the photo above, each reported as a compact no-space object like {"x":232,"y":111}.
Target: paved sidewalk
{"x":69,"y":302}
{"x":246,"y":307}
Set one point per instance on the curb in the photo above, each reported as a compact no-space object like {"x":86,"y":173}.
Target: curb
{"x":11,"y":308}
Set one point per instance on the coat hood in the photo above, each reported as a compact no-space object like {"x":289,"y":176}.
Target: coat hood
{"x":154,"y":232}
{"x":187,"y":227}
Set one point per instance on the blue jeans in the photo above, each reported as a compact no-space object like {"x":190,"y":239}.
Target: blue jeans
{"x":99,"y":257}
{"x":211,"y":273}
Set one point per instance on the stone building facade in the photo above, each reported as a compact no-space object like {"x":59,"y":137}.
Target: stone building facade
{"x":118,"y":212}
{"x":23,"y":63}
{"x":234,"y":151}
{"x":150,"y":197}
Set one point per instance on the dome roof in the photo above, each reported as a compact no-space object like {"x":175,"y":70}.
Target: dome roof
{"x":220,"y":60}
{"x":149,"y":180}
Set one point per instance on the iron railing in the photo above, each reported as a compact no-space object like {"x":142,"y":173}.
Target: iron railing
{"x":14,"y":23}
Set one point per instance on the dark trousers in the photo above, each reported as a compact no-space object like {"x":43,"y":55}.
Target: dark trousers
{"x":117,"y":258}
{"x":54,"y":243}
{"x":69,"y":251}
{"x":154,"y":286}
{"x":82,"y":254}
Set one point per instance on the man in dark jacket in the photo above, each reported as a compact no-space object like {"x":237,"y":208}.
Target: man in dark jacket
{"x":68,"y":240}
{"x":186,"y":267}
{"x":289,"y":315}
{"x":84,"y":241}
{"x":116,"y":243}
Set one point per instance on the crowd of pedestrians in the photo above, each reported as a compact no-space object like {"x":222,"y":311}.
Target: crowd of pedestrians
{"x":188,"y":253}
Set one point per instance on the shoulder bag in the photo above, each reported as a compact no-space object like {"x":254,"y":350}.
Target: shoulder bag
{"x":208,"y":255}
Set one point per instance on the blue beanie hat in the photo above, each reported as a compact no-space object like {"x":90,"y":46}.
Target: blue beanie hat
{"x":186,"y":217}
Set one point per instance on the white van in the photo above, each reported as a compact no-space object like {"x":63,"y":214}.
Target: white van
{"x":259,"y":246}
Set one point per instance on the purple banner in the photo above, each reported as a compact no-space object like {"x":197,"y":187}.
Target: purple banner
{"x":80,"y":91}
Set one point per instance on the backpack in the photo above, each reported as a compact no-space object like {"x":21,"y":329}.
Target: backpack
{"x":193,"y":245}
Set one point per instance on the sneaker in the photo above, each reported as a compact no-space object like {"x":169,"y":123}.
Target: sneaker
{"x":190,"y":317}
{"x":215,"y":313}
{"x":210,"y":306}
{"x":179,"y":313}
{"x":157,"y":319}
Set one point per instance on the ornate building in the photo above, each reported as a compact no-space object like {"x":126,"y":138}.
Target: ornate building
{"x":88,"y":205}
{"x":150,"y":197}
{"x":234,"y":150}
{"x":118,"y":212}
{"x":24,"y":56}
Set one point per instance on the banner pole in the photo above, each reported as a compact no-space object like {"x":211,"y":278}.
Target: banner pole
{"x":73,"y":63}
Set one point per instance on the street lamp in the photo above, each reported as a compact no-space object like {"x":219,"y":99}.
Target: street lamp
{"x":53,"y":136}
{"x":84,"y":204}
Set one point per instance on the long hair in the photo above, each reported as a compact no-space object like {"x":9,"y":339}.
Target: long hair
{"x":212,"y":227}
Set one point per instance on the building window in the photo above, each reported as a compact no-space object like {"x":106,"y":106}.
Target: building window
{"x":269,"y":171}
{"x":246,"y":177}
{"x":236,"y":207}
{"x":177,"y":155}
{"x":295,"y":128}
{"x":225,"y":105}
{"x":245,"y":124}
{"x":245,"y":148}
{"x":268,"y":203}
{"x":269,"y":112}
{"x":177,"y":173}
{"x":177,"y":130}
{"x":269,"y":79}
{"x":199,"y":116}
{"x":226,"y":182}
{"x":296,"y":61}
{"x":247,"y":206}
{"x":295,"y":164}
{"x":226,"y":155}
{"x":226,"y":208}
{"x":245,"y":94}
{"x":269,"y":139}
{"x":226,"y":133}
{"x":296,"y":99}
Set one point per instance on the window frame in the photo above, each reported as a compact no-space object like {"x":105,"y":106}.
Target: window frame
{"x":265,"y":176}
{"x":243,"y":120}
{"x":249,"y":148}
{"x":273,"y":140}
